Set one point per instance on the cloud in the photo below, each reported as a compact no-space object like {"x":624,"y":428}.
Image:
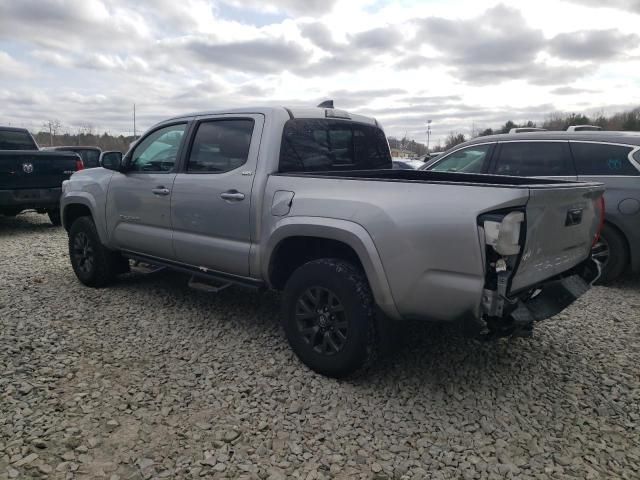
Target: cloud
{"x":570,"y":91}
{"x":265,"y":55}
{"x":320,"y":36}
{"x":379,"y":39}
{"x":10,"y":67}
{"x":496,"y":46}
{"x":628,"y":5}
{"x":304,"y":7}
{"x":361,"y":49}
{"x":72,"y":24}
{"x":498,"y":43}
{"x":592,"y":44}
{"x":357,"y":98}
{"x":415,"y":61}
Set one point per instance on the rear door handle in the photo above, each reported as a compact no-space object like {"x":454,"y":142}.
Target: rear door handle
{"x":232,"y":195}
{"x":160,"y":191}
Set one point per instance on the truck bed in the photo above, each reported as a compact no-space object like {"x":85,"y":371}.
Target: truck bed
{"x":426,"y":227}
{"x":442,"y":177}
{"x":26,"y":169}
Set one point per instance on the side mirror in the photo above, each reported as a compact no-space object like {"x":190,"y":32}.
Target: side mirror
{"x":111,"y":160}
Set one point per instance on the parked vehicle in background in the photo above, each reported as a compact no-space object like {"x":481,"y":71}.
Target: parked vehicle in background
{"x":612,"y":158}
{"x":90,"y":155}
{"x":527,"y":130}
{"x":429,"y":156}
{"x":305,"y":201}
{"x":584,"y":128}
{"x":406,"y":164}
{"x":31,"y":178}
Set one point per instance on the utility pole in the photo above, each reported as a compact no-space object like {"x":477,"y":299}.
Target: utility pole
{"x":134,"y":121}
{"x":428,"y":133}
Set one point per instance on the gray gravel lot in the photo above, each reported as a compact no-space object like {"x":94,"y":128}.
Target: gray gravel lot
{"x":149,"y":379}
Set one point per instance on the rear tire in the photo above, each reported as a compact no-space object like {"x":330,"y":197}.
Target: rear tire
{"x":94,"y":264}
{"x":611,"y":251}
{"x":329,"y":317}
{"x":54,"y":217}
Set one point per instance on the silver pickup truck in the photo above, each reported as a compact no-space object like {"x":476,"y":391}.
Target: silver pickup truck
{"x":305,"y":201}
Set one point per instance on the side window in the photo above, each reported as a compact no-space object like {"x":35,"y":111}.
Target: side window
{"x":220,"y":146}
{"x":466,"y":160}
{"x":602,"y":159}
{"x":158,"y":151}
{"x":534,"y":159}
{"x":311,"y":145}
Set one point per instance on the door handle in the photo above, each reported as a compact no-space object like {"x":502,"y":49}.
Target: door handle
{"x":232,"y":195}
{"x":160,"y":191}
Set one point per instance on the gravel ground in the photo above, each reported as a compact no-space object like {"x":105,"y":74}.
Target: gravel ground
{"x":149,"y":379}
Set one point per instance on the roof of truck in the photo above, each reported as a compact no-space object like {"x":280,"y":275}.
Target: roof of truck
{"x":293,"y":112}
{"x":13,"y":129}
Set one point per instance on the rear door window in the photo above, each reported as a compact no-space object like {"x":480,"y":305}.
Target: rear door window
{"x":220,"y":146}
{"x":310,"y":145}
{"x":466,"y":160}
{"x":602,"y":159}
{"x":534,"y":159}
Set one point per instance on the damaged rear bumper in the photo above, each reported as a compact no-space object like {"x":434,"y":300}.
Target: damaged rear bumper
{"x":557,"y":294}
{"x":506,"y":315}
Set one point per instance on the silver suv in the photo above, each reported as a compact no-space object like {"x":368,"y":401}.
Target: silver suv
{"x":612,"y":158}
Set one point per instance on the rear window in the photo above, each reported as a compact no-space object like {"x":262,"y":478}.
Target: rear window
{"x":90,"y":157}
{"x":534,"y":159}
{"x":16,"y":140}
{"x":603,"y":159}
{"x":311,"y":145}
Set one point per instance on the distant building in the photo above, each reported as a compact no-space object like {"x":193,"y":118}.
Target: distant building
{"x":400,"y":153}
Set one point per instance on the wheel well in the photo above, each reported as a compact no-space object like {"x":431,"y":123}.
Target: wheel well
{"x":294,"y":252}
{"x":622,"y":235}
{"x":73,"y":212}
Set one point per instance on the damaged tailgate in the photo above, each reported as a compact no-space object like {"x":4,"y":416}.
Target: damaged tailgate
{"x":561,"y":224}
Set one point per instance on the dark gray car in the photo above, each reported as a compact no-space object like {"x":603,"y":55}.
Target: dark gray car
{"x":612,"y":158}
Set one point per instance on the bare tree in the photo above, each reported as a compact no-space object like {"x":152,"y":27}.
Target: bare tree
{"x":54,"y":127}
{"x":453,"y":139}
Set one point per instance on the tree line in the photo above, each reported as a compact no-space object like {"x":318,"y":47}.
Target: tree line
{"x":52,"y":136}
{"x":629,"y":121}
{"x":622,"y":121}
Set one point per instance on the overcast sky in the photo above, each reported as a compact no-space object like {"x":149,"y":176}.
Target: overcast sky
{"x":460,"y":63}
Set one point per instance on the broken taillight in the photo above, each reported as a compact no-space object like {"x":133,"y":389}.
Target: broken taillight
{"x":599,"y":207}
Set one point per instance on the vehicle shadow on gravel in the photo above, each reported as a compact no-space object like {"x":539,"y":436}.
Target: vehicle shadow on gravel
{"x":430,"y":355}
{"x":23,"y":224}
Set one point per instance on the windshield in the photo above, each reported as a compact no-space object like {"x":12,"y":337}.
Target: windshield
{"x":16,"y":140}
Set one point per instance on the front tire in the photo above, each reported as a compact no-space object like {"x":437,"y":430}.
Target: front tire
{"x":93,"y":264}
{"x":611,"y":252}
{"x":328,"y":317}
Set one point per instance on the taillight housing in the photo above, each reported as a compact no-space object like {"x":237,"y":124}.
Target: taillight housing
{"x":599,"y":207}
{"x":503,"y":234}
{"x":79,"y":164}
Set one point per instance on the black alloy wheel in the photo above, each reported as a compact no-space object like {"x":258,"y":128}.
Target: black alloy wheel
{"x":321,"y":321}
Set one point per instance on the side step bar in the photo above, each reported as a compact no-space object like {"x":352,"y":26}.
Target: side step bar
{"x":197,"y":272}
{"x":206,"y":287}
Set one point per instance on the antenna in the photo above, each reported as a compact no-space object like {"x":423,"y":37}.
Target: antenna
{"x":326,"y":104}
